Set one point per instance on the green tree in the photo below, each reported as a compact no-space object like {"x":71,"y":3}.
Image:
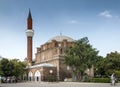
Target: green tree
{"x":80,"y":56}
{"x":99,"y":70}
{"x":6,"y":67}
{"x":19,"y":67}
{"x":1,"y":72}
{"x":12,"y":67}
{"x":112,"y":62}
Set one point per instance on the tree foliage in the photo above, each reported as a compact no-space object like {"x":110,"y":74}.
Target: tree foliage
{"x":106,"y":66}
{"x":12,"y":67}
{"x":80,"y":56}
{"x":112,"y":62}
{"x":5,"y":67}
{"x":99,"y":69}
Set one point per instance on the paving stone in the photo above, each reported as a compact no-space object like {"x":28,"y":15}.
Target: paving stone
{"x":58,"y":84}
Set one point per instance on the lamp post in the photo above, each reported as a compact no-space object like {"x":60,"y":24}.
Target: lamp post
{"x":51,"y":72}
{"x":88,"y":72}
{"x":0,"y":79}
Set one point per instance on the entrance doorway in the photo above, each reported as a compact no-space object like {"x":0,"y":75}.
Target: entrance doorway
{"x":30,"y":76}
{"x":37,"y":76}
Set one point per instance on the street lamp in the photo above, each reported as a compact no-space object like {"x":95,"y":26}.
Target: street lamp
{"x":88,"y":71}
{"x":51,"y":72}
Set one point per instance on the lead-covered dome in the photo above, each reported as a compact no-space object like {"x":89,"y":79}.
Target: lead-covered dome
{"x":60,"y":39}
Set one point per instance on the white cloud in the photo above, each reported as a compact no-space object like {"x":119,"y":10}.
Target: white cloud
{"x":73,"y":22}
{"x":106,"y":14}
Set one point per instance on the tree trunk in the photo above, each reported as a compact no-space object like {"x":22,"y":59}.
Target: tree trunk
{"x":77,"y":76}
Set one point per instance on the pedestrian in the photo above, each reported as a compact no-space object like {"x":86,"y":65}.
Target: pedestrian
{"x":113,"y":79}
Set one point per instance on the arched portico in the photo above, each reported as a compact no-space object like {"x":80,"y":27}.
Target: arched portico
{"x":30,"y":76}
{"x":37,"y":76}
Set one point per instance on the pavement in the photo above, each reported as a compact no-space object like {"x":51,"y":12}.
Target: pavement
{"x":57,"y":84}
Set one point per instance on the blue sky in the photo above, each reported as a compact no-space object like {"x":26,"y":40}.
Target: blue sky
{"x":99,"y":20}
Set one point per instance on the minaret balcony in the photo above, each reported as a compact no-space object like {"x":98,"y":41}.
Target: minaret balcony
{"x":29,"y":33}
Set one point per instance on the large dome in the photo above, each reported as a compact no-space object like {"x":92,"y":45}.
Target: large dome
{"x":60,"y":39}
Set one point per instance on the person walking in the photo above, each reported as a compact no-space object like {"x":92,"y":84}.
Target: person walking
{"x":113,"y":79}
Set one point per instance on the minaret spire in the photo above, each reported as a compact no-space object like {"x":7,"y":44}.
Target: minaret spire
{"x":29,"y":15}
{"x":29,"y":20}
{"x":29,"y":34}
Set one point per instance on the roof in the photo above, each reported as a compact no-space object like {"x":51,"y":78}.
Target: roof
{"x":60,"y":39}
{"x":41,"y":65}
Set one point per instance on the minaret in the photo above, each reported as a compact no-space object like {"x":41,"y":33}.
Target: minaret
{"x":29,"y":34}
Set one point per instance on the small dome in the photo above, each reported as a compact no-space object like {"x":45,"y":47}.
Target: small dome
{"x":60,"y":39}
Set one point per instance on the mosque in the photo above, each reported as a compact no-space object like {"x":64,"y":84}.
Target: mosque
{"x":49,"y":58}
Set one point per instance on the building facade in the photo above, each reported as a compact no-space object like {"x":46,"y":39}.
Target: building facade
{"x":49,"y":58}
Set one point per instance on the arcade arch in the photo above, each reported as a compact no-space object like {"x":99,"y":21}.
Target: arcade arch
{"x":37,"y":76}
{"x":30,"y":76}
